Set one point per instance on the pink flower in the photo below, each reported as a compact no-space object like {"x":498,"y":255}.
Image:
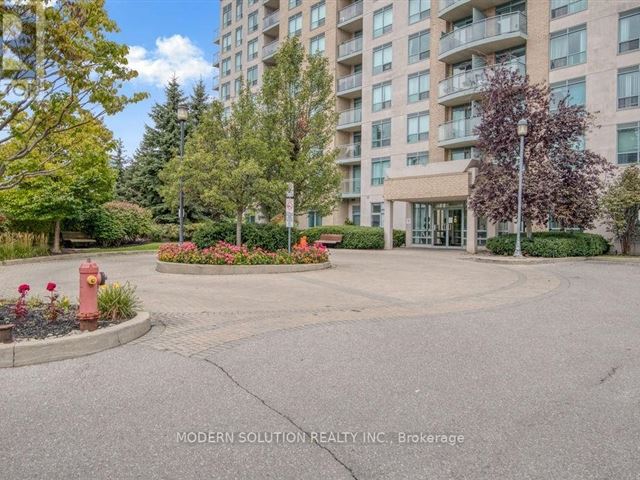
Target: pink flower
{"x":51,"y":286}
{"x":24,"y":288}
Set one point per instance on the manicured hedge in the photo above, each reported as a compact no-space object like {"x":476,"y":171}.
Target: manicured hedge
{"x":117,"y":223}
{"x":551,"y":244}
{"x":355,"y":237}
{"x":266,"y":236}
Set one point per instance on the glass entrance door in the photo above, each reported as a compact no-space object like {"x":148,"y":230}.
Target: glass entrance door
{"x":448,"y":225}
{"x":454,"y":230}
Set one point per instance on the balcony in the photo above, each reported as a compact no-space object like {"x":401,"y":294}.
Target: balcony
{"x":216,"y":59}
{"x":271,"y":24}
{"x":351,"y":188}
{"x":484,"y":37}
{"x":269,"y":52}
{"x":349,"y":86}
{"x":215,"y":83}
{"x":273,"y":4}
{"x":350,"y":52}
{"x":452,"y":10}
{"x":464,"y":87}
{"x":458,"y":133}
{"x":350,"y":120}
{"x":349,"y":154}
{"x":350,"y":17}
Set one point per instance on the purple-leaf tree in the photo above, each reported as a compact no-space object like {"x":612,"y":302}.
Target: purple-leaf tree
{"x":561,"y":178}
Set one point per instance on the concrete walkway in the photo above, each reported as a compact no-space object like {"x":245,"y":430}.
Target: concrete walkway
{"x":537,"y":367}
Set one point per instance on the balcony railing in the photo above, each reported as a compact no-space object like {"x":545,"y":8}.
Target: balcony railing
{"x":350,"y":47}
{"x":270,"y":49}
{"x":350,"y":12}
{"x":484,"y":29}
{"x":351,"y":186}
{"x":349,"y":151}
{"x":458,"y":129}
{"x":447,"y":3}
{"x":348,"y":117}
{"x":271,"y":20}
{"x":474,"y":79}
{"x":349,"y":82}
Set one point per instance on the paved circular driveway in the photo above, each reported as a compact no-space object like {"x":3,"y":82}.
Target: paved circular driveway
{"x":538,"y":367}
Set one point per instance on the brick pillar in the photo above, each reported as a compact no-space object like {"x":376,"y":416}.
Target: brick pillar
{"x":472,"y":231}
{"x":388,"y":225}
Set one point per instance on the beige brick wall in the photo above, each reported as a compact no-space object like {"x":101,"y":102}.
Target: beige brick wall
{"x":431,"y":188}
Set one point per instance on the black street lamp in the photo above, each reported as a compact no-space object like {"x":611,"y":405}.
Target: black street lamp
{"x":183,"y":115}
{"x":522,"y":132}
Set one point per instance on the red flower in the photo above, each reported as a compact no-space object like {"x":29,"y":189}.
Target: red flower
{"x":51,"y":286}
{"x":24,"y":288}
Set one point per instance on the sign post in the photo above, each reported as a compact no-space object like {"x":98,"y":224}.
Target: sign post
{"x":289,"y":213}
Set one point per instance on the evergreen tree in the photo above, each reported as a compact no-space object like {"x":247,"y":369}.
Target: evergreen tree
{"x":160,"y":143}
{"x":198,"y":104}
{"x":118,"y":162}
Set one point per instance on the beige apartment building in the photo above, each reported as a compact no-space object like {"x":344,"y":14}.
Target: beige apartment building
{"x":408,"y":74}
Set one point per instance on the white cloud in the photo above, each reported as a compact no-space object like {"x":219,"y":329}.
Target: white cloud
{"x":174,"y":55}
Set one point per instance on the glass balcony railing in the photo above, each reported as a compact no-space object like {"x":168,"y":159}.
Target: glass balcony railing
{"x":349,"y":82}
{"x":458,"y":129}
{"x":270,"y":49}
{"x":484,"y":29}
{"x":349,"y":151}
{"x":444,"y":4}
{"x":474,"y":79}
{"x":271,"y":20}
{"x":349,"y":117}
{"x":351,"y":186}
{"x":350,"y":12}
{"x":350,"y":47}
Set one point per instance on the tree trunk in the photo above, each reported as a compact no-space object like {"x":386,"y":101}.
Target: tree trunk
{"x":56,"y":237}
{"x":239,"y":227}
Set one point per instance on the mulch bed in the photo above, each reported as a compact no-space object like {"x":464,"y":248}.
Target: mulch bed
{"x":36,"y":324}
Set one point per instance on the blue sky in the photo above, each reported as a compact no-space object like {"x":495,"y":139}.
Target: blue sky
{"x":165,"y":37}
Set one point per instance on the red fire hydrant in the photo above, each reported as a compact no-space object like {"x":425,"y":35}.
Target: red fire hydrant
{"x":90,"y":279}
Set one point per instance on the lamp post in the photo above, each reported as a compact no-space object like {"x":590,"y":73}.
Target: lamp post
{"x":522,"y":132}
{"x":183,"y":114}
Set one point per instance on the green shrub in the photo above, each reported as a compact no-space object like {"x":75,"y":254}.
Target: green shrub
{"x":102,"y":226}
{"x":118,"y":302}
{"x":399,"y":238}
{"x":551,"y":244}
{"x":266,"y":236}
{"x":355,"y":237}
{"x":135,"y":220}
{"x":23,"y":245}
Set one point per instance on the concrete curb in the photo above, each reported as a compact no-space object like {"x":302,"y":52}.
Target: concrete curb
{"x":195,"y":269}
{"x":69,"y":256}
{"x":522,"y":261}
{"x":31,"y":352}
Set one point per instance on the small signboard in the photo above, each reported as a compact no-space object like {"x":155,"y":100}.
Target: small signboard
{"x":289,"y":213}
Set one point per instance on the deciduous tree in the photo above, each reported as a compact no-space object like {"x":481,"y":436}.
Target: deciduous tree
{"x":621,"y":206}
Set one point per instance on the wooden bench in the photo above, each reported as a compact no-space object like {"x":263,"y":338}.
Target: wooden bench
{"x":329,"y":239}
{"x":77,"y":239}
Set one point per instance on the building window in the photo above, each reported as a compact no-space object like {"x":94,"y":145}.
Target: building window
{"x":629,"y":31}
{"x":379,"y":168}
{"x":239,"y":9}
{"x":314,"y":219}
{"x":238,"y":62}
{"x":252,"y":49}
{"x":252,"y":22}
{"x":252,"y":76}
{"x":226,"y":15}
{"x":294,"y":3}
{"x":418,"y":86}
{"x":237,"y":86}
{"x":503,"y":227}
{"x":628,"y":136}
{"x":418,"y":10}
{"x":569,"y":47}
{"x":381,"y":96}
{"x":295,"y":25}
{"x":226,"y":113}
{"x":225,"y":67}
{"x":481,"y":231}
{"x":463,"y":153}
{"x":382,"y":58}
{"x":417,"y":127}
{"x":512,"y":7}
{"x":419,"y":46}
{"x":252,"y":2}
{"x":560,"y":8}
{"x":238,"y":36}
{"x":382,"y":21}
{"x":226,"y":42}
{"x":381,"y":133}
{"x":377,"y":214}
{"x":317,"y":44}
{"x":355,"y":214}
{"x":573,"y":92}
{"x":628,"y":91}
{"x":417,"y":158}
{"x":225,"y":93}
{"x":318,"y":14}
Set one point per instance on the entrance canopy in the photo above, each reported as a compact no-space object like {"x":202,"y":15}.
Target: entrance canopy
{"x":441,"y":181}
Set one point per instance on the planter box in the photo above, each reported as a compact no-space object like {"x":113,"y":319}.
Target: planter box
{"x":195,"y":269}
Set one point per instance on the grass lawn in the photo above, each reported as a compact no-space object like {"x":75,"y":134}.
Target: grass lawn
{"x":145,"y":247}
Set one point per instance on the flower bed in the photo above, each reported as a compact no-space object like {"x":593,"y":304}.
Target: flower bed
{"x":224,"y":253}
